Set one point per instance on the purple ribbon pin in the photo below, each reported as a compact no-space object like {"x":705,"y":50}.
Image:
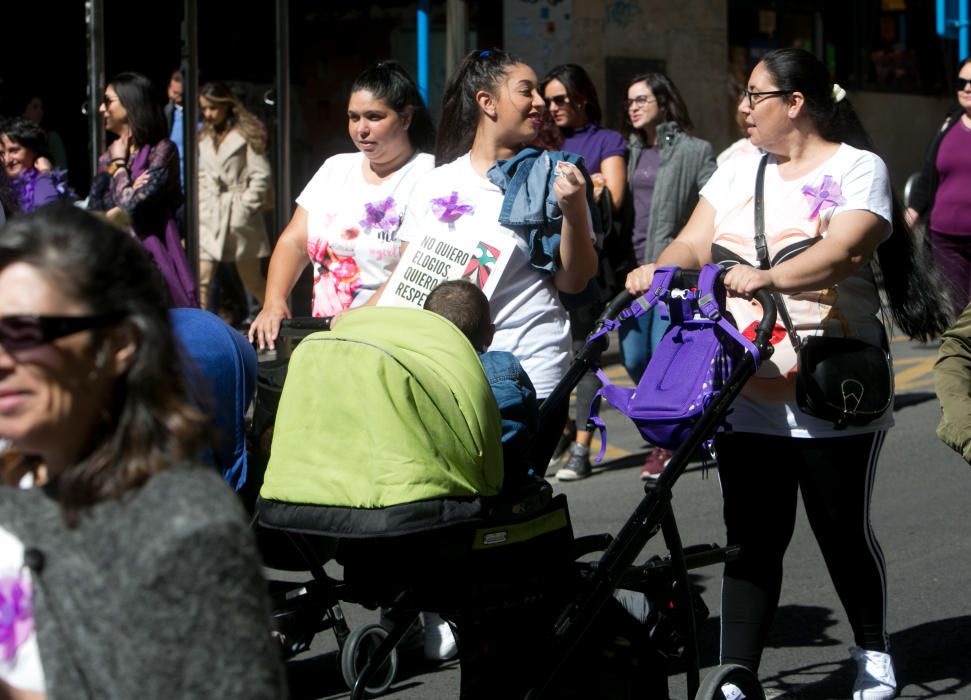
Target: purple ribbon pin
{"x":448,"y":210}
{"x":827,"y":193}
{"x":16,"y":615}
{"x":381,"y":216}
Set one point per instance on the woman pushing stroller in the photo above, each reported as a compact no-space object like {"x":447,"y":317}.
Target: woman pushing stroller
{"x":828,"y":212}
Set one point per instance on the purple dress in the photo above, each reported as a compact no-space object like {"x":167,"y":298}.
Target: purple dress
{"x":152,"y":210}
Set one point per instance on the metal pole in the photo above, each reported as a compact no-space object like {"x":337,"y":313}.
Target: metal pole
{"x":282,"y":114}
{"x":423,"y":48}
{"x":963,"y":29}
{"x":190,"y":120}
{"x":456,"y":33}
{"x":94,"y":19}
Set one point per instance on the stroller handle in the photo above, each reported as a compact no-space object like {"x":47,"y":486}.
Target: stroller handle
{"x":304,"y":325}
{"x":686,"y":279}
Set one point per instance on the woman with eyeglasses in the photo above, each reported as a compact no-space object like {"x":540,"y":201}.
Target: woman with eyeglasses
{"x":940,"y":195}
{"x":127,"y":567}
{"x":137,"y":180}
{"x":829,"y":217}
{"x":666,"y":170}
{"x":571,"y":101}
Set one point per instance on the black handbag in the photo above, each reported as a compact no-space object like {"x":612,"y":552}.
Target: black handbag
{"x":843,"y":380}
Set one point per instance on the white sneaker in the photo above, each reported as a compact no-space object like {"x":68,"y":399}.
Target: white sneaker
{"x":440,"y":644}
{"x":874,"y":678}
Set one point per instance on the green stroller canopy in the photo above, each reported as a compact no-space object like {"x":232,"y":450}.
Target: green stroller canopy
{"x":386,"y":425}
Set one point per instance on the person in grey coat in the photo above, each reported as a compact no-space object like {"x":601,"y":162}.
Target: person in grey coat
{"x":127,"y":569}
{"x":666,"y":169}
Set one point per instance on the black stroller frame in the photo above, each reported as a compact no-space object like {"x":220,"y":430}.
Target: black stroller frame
{"x":614,"y":570}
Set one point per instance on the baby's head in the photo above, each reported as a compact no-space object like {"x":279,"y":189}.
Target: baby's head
{"x":464,"y":304}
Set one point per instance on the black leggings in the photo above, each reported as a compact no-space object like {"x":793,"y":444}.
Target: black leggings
{"x":760,"y":476}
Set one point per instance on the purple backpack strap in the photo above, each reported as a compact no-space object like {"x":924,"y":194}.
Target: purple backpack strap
{"x":660,"y":284}
{"x":594,"y":415}
{"x":708,"y":305}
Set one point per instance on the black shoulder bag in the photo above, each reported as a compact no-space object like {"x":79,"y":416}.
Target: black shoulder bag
{"x":843,"y":380}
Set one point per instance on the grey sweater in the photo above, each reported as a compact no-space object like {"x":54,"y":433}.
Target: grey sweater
{"x":685,"y":165}
{"x":158,"y":595}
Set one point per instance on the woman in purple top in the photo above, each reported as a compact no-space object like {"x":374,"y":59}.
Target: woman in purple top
{"x":572,"y":102}
{"x":23,"y":146}
{"x":941,"y":192}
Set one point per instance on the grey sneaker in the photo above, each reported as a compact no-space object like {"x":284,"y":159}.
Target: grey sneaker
{"x":577,"y":464}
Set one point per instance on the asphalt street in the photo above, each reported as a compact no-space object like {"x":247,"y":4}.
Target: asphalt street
{"x":919,"y":513}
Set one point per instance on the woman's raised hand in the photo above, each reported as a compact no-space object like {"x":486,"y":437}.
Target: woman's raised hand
{"x":266,"y":326}
{"x":569,"y":185}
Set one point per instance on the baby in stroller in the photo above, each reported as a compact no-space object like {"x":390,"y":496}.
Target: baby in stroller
{"x":388,"y":438}
{"x":465,"y":305}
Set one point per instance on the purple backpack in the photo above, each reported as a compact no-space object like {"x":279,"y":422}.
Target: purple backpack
{"x":687,"y":369}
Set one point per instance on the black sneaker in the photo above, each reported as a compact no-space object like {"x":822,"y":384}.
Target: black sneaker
{"x":577,"y":464}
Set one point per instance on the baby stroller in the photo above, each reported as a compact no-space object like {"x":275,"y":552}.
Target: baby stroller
{"x":480,"y":557}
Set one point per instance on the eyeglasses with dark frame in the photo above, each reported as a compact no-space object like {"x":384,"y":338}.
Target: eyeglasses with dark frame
{"x":963,"y":83}
{"x":24,"y":332}
{"x":640,"y":101}
{"x":764,"y":95}
{"x":558,"y":100}
{"x":106,"y":101}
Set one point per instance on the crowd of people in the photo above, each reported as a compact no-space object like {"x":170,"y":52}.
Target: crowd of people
{"x":106,"y":435}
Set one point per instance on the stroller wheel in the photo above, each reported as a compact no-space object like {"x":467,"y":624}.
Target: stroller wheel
{"x":730,"y":682}
{"x":358,"y":650}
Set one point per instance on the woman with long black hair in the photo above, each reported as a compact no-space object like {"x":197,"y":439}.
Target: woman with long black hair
{"x":137,"y":181}
{"x":829,"y":212}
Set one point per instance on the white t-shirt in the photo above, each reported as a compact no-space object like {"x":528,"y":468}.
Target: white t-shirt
{"x":530,"y":321}
{"x":352,"y":228}
{"x":20,"y":664}
{"x":797,"y":212}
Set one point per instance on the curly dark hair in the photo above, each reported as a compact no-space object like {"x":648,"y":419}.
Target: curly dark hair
{"x":153,"y":421}
{"x":28,"y":134}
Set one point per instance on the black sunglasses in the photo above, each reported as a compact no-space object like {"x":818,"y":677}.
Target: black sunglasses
{"x":558,"y":100}
{"x":25,"y":332}
{"x":765,"y":94}
{"x":963,"y":83}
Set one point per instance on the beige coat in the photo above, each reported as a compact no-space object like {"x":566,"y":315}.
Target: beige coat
{"x":234,"y":183}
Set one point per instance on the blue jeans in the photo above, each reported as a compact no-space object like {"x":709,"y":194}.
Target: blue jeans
{"x":638,"y":338}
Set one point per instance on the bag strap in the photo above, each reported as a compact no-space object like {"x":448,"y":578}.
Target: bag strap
{"x":762,"y":252}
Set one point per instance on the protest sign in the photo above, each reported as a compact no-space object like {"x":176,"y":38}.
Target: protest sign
{"x":431,"y":260}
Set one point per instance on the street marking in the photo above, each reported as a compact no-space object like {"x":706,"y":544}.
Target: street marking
{"x":917,"y":375}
